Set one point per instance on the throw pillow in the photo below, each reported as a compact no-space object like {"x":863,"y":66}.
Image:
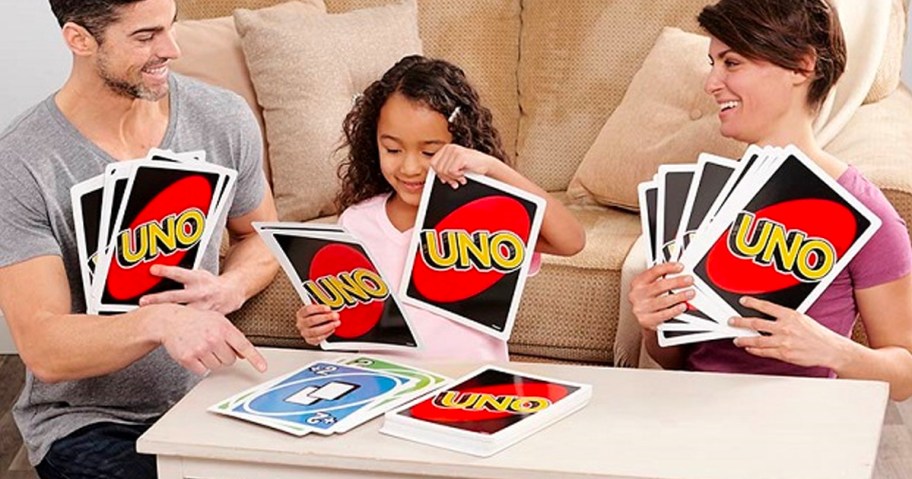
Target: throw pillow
{"x":305,"y":71}
{"x":665,"y":117}
{"x":211,"y":52}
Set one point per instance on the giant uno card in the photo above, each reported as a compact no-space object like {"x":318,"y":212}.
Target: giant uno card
{"x":162,"y":219}
{"x":489,"y":401}
{"x":471,"y":251}
{"x":315,"y":398}
{"x":332,"y":268}
{"x":783,"y":242}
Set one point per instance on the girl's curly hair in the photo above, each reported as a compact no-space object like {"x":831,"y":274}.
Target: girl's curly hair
{"x":437,"y":84}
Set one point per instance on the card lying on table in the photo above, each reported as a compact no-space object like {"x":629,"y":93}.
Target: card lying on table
{"x":328,"y":266}
{"x":774,"y":226}
{"x":470,"y":252}
{"x":486,"y":411}
{"x":329,"y":397}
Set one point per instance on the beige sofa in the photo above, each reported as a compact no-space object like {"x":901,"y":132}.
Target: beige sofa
{"x":553,"y":72}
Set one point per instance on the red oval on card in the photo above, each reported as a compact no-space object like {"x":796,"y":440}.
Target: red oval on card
{"x":488,"y":402}
{"x":816,"y":217}
{"x":492,"y":214}
{"x":334,"y":259}
{"x":125,"y":283}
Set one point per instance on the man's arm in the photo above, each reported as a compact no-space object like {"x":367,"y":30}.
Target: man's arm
{"x":249,"y":264}
{"x":59,"y":346}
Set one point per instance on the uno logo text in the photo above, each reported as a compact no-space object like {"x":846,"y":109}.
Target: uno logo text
{"x":490,"y":402}
{"x":347,"y":289}
{"x":793,"y":252}
{"x":151,"y":239}
{"x":502,"y":251}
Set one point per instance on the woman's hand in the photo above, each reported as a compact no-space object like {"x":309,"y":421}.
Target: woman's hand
{"x":316,"y":322}
{"x":650,"y":298}
{"x":452,"y":162}
{"x":791,"y":336}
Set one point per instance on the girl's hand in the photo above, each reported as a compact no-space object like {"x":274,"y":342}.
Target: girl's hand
{"x":793,"y":337}
{"x":649,"y":296}
{"x":316,"y":322}
{"x":452,"y":162}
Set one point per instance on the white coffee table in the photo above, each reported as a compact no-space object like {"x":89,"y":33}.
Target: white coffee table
{"x":639,"y":424}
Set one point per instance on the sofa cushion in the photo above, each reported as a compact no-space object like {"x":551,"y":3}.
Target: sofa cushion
{"x":572,"y":74}
{"x":888,"y":73}
{"x":200,"y":9}
{"x":570,"y":308}
{"x":664,"y":118}
{"x":211,"y":52}
{"x":306,"y":69}
{"x":482,"y":38}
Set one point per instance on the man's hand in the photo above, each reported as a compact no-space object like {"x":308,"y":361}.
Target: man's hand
{"x":202,"y":290}
{"x":205,"y":340}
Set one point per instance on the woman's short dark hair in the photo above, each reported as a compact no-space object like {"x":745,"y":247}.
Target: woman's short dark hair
{"x":784,"y":33}
{"x":93,"y":15}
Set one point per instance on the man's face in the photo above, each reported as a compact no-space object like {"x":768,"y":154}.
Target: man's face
{"x":133,"y":58}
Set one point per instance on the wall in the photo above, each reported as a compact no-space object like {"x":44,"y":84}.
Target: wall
{"x":35,"y":63}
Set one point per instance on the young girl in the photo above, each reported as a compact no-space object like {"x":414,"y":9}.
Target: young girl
{"x":424,"y":114}
{"x":773,"y":63}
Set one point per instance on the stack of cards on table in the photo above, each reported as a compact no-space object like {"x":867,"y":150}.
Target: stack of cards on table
{"x":159,"y":210}
{"x":328,"y":266}
{"x":774,"y":226}
{"x":330,"y":397}
{"x":468,"y":259}
{"x":486,"y":411}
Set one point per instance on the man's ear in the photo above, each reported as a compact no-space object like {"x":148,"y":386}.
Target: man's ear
{"x":79,"y":40}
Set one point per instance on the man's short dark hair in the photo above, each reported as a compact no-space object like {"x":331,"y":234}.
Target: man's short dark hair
{"x":93,"y":15}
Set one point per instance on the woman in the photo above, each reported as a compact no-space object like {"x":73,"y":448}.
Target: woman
{"x":773,"y":63}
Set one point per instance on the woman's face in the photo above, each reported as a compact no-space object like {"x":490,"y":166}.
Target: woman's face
{"x":408,"y":135}
{"x":758,"y":101}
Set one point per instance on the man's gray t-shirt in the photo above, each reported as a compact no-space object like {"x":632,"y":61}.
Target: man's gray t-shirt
{"x":42,"y":156}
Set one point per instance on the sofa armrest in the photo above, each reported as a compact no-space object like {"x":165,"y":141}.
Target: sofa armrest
{"x":878,"y":141}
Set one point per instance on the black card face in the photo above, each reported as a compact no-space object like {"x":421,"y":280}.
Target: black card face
{"x":785,"y":242}
{"x":90,"y":204}
{"x":472,"y":251}
{"x":342,"y":276}
{"x":677,"y":185}
{"x":712,"y":180}
{"x":651,"y":212}
{"x":163,"y":222}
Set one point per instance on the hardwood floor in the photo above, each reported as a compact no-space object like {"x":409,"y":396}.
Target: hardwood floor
{"x":13,"y":464}
{"x":894,"y":456}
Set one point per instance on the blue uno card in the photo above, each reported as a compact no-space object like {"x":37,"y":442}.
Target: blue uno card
{"x":321,"y":395}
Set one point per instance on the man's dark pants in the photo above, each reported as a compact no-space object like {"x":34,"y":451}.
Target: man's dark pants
{"x":98,"y":451}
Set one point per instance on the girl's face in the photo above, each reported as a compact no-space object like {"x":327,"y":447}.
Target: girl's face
{"x":408,"y":135}
{"x":759,"y":102}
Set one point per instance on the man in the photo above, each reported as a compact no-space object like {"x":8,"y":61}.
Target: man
{"x":95,"y":383}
